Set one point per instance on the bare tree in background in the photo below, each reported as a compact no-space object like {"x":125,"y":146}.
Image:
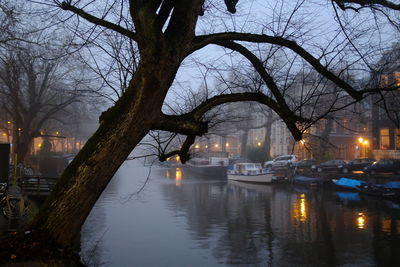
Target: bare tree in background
{"x":36,"y":87}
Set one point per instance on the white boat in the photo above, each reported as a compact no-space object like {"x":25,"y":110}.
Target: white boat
{"x":251,"y":173}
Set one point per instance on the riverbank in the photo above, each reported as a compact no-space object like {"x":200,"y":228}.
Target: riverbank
{"x":30,"y":248}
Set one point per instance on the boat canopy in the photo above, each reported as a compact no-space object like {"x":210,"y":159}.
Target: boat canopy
{"x":347,"y":182}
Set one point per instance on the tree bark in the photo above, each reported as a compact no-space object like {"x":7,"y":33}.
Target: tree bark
{"x":244,"y":143}
{"x":122,"y":127}
{"x":267,"y":140}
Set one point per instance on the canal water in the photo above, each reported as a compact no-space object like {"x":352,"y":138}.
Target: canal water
{"x":190,"y":221}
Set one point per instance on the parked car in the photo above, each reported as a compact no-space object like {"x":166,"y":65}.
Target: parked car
{"x":304,"y":164}
{"x":329,"y":166}
{"x":384,"y":165}
{"x":281,"y":161}
{"x":356,"y":165}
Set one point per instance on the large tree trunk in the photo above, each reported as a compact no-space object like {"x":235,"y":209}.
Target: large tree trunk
{"x":23,"y":147}
{"x":244,"y":141}
{"x":121,"y":129}
{"x":267,"y":141}
{"x":323,"y":147}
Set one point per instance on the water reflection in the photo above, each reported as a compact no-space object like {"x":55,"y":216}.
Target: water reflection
{"x":178,"y":177}
{"x":300,"y":208}
{"x":189,"y":221}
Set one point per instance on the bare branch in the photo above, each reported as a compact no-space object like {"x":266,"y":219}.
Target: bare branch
{"x":366,"y":3}
{"x":98,"y":21}
{"x":201,"y":41}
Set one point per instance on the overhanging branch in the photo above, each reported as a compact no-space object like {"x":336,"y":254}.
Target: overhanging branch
{"x":97,"y":21}
{"x":183,"y":152}
{"x":204,"y":40}
{"x":192,"y":123}
{"x":366,"y":3}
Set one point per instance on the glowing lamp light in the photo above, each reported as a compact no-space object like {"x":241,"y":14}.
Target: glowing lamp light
{"x":177,"y":158}
{"x":258,"y":143}
{"x":365,"y":142}
{"x":197,"y":146}
{"x":360,"y":140}
{"x":4,"y":134}
{"x":361,"y":221}
{"x":302,"y":142}
{"x":8,"y":122}
{"x":39,"y":145}
{"x":227,"y":144}
{"x":216,"y":145}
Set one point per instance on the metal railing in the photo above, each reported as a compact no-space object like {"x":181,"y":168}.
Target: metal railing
{"x":37,"y":185}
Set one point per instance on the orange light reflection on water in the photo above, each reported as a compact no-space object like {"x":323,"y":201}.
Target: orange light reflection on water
{"x":300,"y":208}
{"x":178,"y":177}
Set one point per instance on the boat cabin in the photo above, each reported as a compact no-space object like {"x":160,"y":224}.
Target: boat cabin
{"x":247,"y":168}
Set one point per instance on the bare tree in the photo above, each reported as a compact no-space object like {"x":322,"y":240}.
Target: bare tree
{"x":167,"y":32}
{"x":34,"y":90}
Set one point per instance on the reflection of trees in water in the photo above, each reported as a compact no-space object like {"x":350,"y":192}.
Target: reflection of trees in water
{"x":212,"y":207}
{"x":92,"y":237}
{"x":94,"y":229}
{"x":376,"y":241}
{"x":260,"y":226}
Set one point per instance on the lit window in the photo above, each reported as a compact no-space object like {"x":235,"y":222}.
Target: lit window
{"x":397,"y":78}
{"x":384,"y":138}
{"x":397,"y":139}
{"x":384,"y":80}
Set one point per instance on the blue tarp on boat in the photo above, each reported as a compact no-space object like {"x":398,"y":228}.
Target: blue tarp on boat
{"x":349,"y":183}
{"x":392,"y":185}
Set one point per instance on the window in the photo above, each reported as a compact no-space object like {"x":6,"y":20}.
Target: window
{"x":397,"y":78}
{"x":384,"y":80}
{"x":322,"y":124}
{"x":382,"y":114}
{"x":342,"y":151}
{"x":346,"y":126}
{"x":333,"y":127}
{"x":384,"y":138}
{"x":397,"y":138}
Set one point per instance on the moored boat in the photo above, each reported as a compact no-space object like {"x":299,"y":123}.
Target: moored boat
{"x":395,"y":185}
{"x":250,"y":173}
{"x":348,"y":183}
{"x":308,"y":181}
{"x":376,"y":190}
{"x":212,"y":167}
